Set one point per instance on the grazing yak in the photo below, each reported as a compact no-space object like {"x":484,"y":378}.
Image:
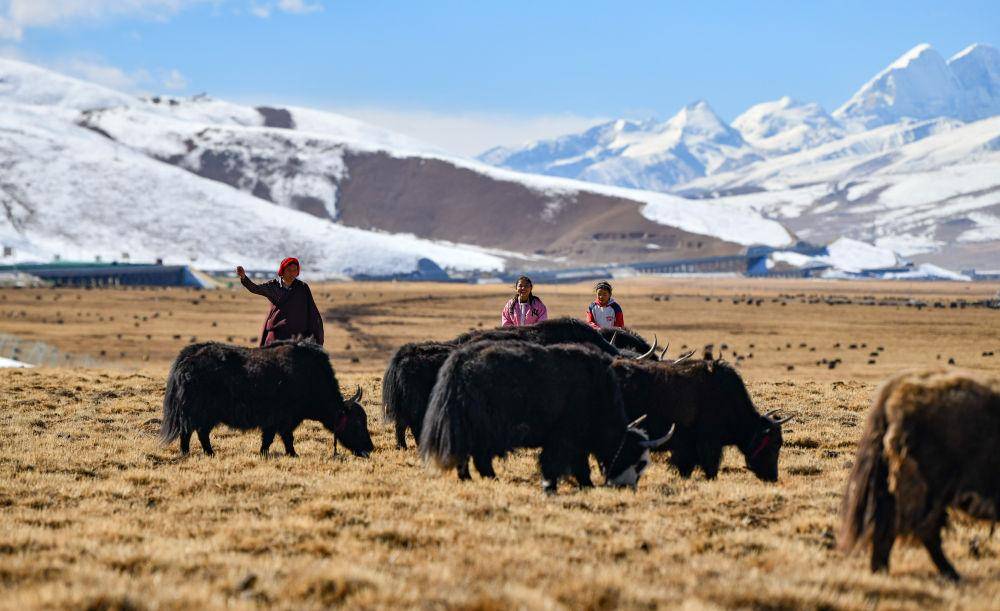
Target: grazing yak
{"x":272,"y":389}
{"x":412,"y":371}
{"x":932,"y":442}
{"x":711,"y":408}
{"x":492,"y":397}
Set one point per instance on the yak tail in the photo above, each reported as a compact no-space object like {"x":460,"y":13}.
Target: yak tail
{"x":171,"y":425}
{"x":392,"y":391}
{"x":445,"y":435}
{"x":867,"y":501}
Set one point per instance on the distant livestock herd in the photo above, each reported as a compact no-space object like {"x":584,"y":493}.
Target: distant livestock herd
{"x":931,"y":441}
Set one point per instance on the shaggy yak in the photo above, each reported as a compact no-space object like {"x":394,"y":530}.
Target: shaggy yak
{"x":711,"y":408}
{"x":931,"y":443}
{"x":272,"y":389}
{"x":413,"y":369}
{"x":493,"y":397}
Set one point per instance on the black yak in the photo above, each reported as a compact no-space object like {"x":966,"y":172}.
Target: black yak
{"x":272,"y":389}
{"x":492,"y":397}
{"x":412,"y":370}
{"x":407,"y":384}
{"x":711,"y":407}
{"x":932,"y":442}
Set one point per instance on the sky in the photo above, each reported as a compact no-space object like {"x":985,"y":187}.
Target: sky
{"x":470,"y":75}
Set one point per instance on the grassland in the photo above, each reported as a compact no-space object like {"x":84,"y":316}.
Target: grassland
{"x":94,"y":513}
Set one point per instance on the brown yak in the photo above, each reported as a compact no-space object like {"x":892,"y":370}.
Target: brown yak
{"x":932,"y":442}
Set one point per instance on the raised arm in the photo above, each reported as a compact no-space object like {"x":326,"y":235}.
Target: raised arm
{"x":272,"y":293}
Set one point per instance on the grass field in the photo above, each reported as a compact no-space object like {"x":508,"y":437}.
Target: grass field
{"x":94,"y":513}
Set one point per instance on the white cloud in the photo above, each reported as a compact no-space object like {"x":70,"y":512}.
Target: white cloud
{"x":297,"y":7}
{"x":469,"y":134}
{"x":175,"y":80}
{"x":18,"y":15}
{"x":300,"y":7}
{"x":95,"y":70}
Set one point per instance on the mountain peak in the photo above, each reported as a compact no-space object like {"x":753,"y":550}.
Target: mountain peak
{"x":973,"y":50}
{"x":923,"y":50}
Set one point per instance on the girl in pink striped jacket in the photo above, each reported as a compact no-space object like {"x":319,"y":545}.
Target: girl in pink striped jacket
{"x":523,"y":308}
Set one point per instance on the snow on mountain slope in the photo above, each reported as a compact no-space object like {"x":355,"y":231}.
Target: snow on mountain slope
{"x":22,"y":83}
{"x":786,"y":126}
{"x":70,"y":192}
{"x":977,"y":68}
{"x":852,"y":157}
{"x":918,"y":85}
{"x":950,"y":215}
{"x":642,"y":155}
{"x":921,"y":85}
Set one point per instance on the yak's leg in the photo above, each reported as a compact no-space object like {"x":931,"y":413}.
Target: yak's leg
{"x":206,"y":443}
{"x":400,"y":435}
{"x":883,"y":532}
{"x":463,"y":469}
{"x":266,"y":439}
{"x":931,"y":539}
{"x":186,"y":441}
{"x":288,"y":440}
{"x":581,"y":471}
{"x":710,"y":457}
{"x":553,"y":464}
{"x":683,"y":456}
{"x":484,"y":464}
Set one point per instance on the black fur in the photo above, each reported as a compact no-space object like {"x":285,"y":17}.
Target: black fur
{"x":492,"y":397}
{"x":412,"y":371}
{"x":407,"y":384}
{"x":272,"y":389}
{"x":626,"y":339}
{"x":712,"y":409}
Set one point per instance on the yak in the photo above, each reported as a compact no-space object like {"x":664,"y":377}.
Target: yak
{"x":711,"y":408}
{"x":273,"y":389}
{"x":932,"y":442}
{"x":413,"y":369}
{"x":492,"y":397}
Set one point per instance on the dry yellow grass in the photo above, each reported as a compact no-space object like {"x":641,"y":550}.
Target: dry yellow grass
{"x":95,"y":514}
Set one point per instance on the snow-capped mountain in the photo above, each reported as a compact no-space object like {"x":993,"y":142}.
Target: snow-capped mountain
{"x":786,"y":126}
{"x":645,"y":155}
{"x":88,"y":172}
{"x":920,"y":121}
{"x":922,"y":85}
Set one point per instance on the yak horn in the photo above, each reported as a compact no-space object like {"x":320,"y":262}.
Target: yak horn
{"x":637,"y":421}
{"x":665,"y":348}
{"x":357,"y":396}
{"x":771,"y":413}
{"x":652,"y":444}
{"x":651,"y":351}
{"x":612,"y":340}
{"x":783,"y":420}
{"x":684,"y":357}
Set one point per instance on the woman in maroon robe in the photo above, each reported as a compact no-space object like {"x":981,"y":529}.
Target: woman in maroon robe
{"x":293,"y":311}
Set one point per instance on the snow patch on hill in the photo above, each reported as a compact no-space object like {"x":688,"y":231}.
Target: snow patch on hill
{"x":71,"y":192}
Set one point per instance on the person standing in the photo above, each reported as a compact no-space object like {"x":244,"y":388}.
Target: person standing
{"x":604,"y":312}
{"x":293,"y":311}
{"x":524,"y":308}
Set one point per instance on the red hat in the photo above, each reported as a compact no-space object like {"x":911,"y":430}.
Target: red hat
{"x":286,"y":262}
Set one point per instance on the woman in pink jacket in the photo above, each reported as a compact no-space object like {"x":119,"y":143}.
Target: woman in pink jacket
{"x":523,"y":308}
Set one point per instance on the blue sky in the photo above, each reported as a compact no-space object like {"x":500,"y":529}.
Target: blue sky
{"x":466,"y":75}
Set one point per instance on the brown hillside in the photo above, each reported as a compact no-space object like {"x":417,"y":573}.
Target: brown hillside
{"x":434,"y":199}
